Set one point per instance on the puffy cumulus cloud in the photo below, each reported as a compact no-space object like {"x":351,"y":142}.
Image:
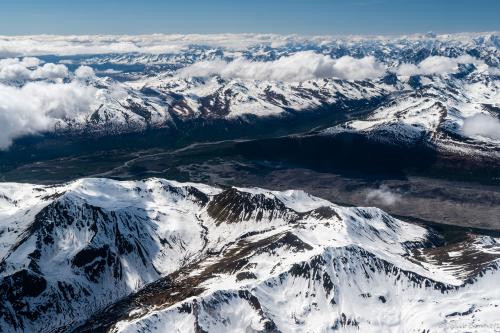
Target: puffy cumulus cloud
{"x":437,"y":65}
{"x":14,"y":72}
{"x":36,"y":106}
{"x":482,"y":125}
{"x":84,"y":73}
{"x":298,"y":67}
{"x":24,"y":62}
{"x":383,"y":195}
{"x":50,"y":71}
{"x":30,"y":62}
{"x":357,"y":69}
{"x":15,"y":69}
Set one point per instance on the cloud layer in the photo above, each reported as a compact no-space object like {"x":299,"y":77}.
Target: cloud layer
{"x":437,"y":65}
{"x":482,"y":125}
{"x":300,"y":66}
{"x":14,"y":69}
{"x":15,"y":46}
{"x":36,"y":106}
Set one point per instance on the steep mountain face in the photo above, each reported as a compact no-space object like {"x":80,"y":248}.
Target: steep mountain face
{"x":98,"y":255}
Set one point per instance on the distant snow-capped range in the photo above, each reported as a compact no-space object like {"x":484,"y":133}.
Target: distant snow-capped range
{"x":108,"y":85}
{"x":97,"y":255}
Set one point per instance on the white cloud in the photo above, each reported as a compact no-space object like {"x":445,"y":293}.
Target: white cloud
{"x":436,"y":65}
{"x":84,"y":73}
{"x":383,"y":195}
{"x":15,"y":69}
{"x":30,"y":62}
{"x":13,"y":46}
{"x":300,"y":66}
{"x":24,"y":62}
{"x":50,"y":71}
{"x":71,"y":45}
{"x":36,"y":107}
{"x":482,"y":125}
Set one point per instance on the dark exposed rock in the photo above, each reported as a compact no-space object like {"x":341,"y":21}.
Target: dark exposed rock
{"x":23,"y":283}
{"x":245,"y":276}
{"x":231,"y":206}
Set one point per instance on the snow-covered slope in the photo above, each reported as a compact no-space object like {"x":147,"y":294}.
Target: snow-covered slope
{"x":437,"y":112}
{"x":157,"y":102}
{"x":155,"y":255}
{"x":232,"y":98}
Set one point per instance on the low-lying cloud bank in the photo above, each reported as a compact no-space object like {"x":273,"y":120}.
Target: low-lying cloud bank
{"x":36,"y":107}
{"x":15,"y":69}
{"x":482,"y":125}
{"x":15,"y":46}
{"x":383,"y":195}
{"x":34,"y":96}
{"x":308,"y":65}
{"x":437,"y":65}
{"x":36,"y":45}
{"x":300,"y":66}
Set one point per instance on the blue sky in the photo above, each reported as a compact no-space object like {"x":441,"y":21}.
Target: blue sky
{"x":273,"y":16}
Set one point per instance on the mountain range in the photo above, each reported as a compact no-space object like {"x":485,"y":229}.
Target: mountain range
{"x":97,"y":255}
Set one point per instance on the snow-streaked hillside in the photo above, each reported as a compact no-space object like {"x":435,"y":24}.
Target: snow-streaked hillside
{"x":441,"y":112}
{"x":157,"y":255}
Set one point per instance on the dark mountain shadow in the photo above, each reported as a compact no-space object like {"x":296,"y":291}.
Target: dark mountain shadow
{"x":181,"y":133}
{"x":358,"y":155}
